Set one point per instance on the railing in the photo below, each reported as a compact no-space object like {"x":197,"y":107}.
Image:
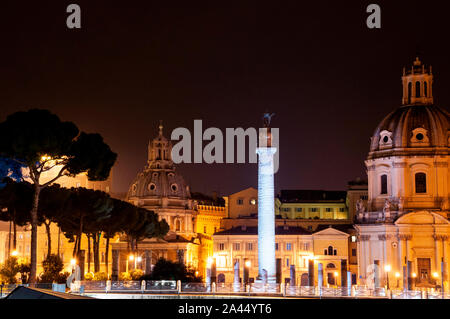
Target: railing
{"x":407,"y":294}
{"x":176,"y":287}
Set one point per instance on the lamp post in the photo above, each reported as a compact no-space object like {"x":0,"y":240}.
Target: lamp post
{"x":247,"y":266}
{"x":130,"y":258}
{"x":397,"y":275}
{"x":387,"y":269}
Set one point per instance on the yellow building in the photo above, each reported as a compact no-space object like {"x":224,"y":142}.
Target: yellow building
{"x":59,"y":243}
{"x":294,"y":247}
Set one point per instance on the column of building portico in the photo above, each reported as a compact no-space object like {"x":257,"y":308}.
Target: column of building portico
{"x":446,"y":263}
{"x":360,"y":259}
{"x":404,"y":256}
{"x":407,"y":254}
{"x":365,"y":255}
{"x":399,"y":267}
{"x":437,"y":254}
{"x":383,"y":239}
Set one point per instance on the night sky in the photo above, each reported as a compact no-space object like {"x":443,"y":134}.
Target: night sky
{"x":328,"y":78}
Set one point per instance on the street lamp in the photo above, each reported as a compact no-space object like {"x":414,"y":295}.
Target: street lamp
{"x":387,"y":269}
{"x":130,"y":258}
{"x":14,"y":253}
{"x":397,"y":275}
{"x":247,"y":265}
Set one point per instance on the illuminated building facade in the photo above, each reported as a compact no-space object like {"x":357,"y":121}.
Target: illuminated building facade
{"x":403,"y":232}
{"x":294,"y":247}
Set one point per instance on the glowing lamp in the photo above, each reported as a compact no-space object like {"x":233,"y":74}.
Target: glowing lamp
{"x":387,"y":268}
{"x":414,"y":275}
{"x":397,"y":275}
{"x":131,"y":257}
{"x":435,"y":275}
{"x":248,"y":263}
{"x":336,"y":274}
{"x":14,"y":253}
{"x":139,"y":259}
{"x":73,"y":262}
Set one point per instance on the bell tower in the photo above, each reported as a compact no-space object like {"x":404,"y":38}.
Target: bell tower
{"x":417,"y":84}
{"x":160,"y":151}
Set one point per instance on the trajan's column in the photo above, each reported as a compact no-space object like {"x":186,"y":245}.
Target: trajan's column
{"x":266,"y":204}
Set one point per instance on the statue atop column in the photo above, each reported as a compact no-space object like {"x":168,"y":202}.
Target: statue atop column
{"x":265,"y":135}
{"x":267,"y":117}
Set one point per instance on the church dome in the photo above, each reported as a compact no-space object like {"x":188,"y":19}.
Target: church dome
{"x":418,"y":127}
{"x":159,"y":178}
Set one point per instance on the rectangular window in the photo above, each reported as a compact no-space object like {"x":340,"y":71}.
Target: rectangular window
{"x":288,"y":246}
{"x":236,"y":246}
{"x":306,"y":246}
{"x":240,"y":201}
{"x":383,"y":179}
{"x":204,"y":229}
{"x":221,"y":246}
{"x":313,"y":209}
{"x":299,"y":209}
{"x":249,"y":246}
{"x":341,"y":209}
{"x":287,"y":262}
{"x":276,"y":246}
{"x":354,"y":252}
{"x":328,"y":209}
{"x":286,"y":209}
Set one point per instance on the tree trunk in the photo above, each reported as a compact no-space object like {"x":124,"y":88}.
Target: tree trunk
{"x":74,"y":253}
{"x":96,"y":251}
{"x":9,"y":240}
{"x":15,"y":231}
{"x":59,"y":240}
{"x":89,"y":252}
{"x":106,"y":256}
{"x":80,"y":234}
{"x":49,"y":239}
{"x":34,"y":223}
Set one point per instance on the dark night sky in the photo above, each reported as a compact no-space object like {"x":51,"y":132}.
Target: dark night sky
{"x":328,"y":78}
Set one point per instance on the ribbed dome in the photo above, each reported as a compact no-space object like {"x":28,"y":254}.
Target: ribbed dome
{"x":412,"y":130}
{"x":159,"y":183}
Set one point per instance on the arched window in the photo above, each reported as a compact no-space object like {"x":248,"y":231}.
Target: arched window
{"x":409,"y":92}
{"x":425,"y":89}
{"x":383,"y":184}
{"x":331,"y":266}
{"x":417,"y":89}
{"x":421,"y":182}
{"x":330,"y":250}
{"x":177,"y":225}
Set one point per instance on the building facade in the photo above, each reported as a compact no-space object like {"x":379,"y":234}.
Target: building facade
{"x":294,"y":247}
{"x":403,"y":231}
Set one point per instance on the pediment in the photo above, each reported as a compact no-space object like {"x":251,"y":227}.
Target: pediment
{"x":422,"y":218}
